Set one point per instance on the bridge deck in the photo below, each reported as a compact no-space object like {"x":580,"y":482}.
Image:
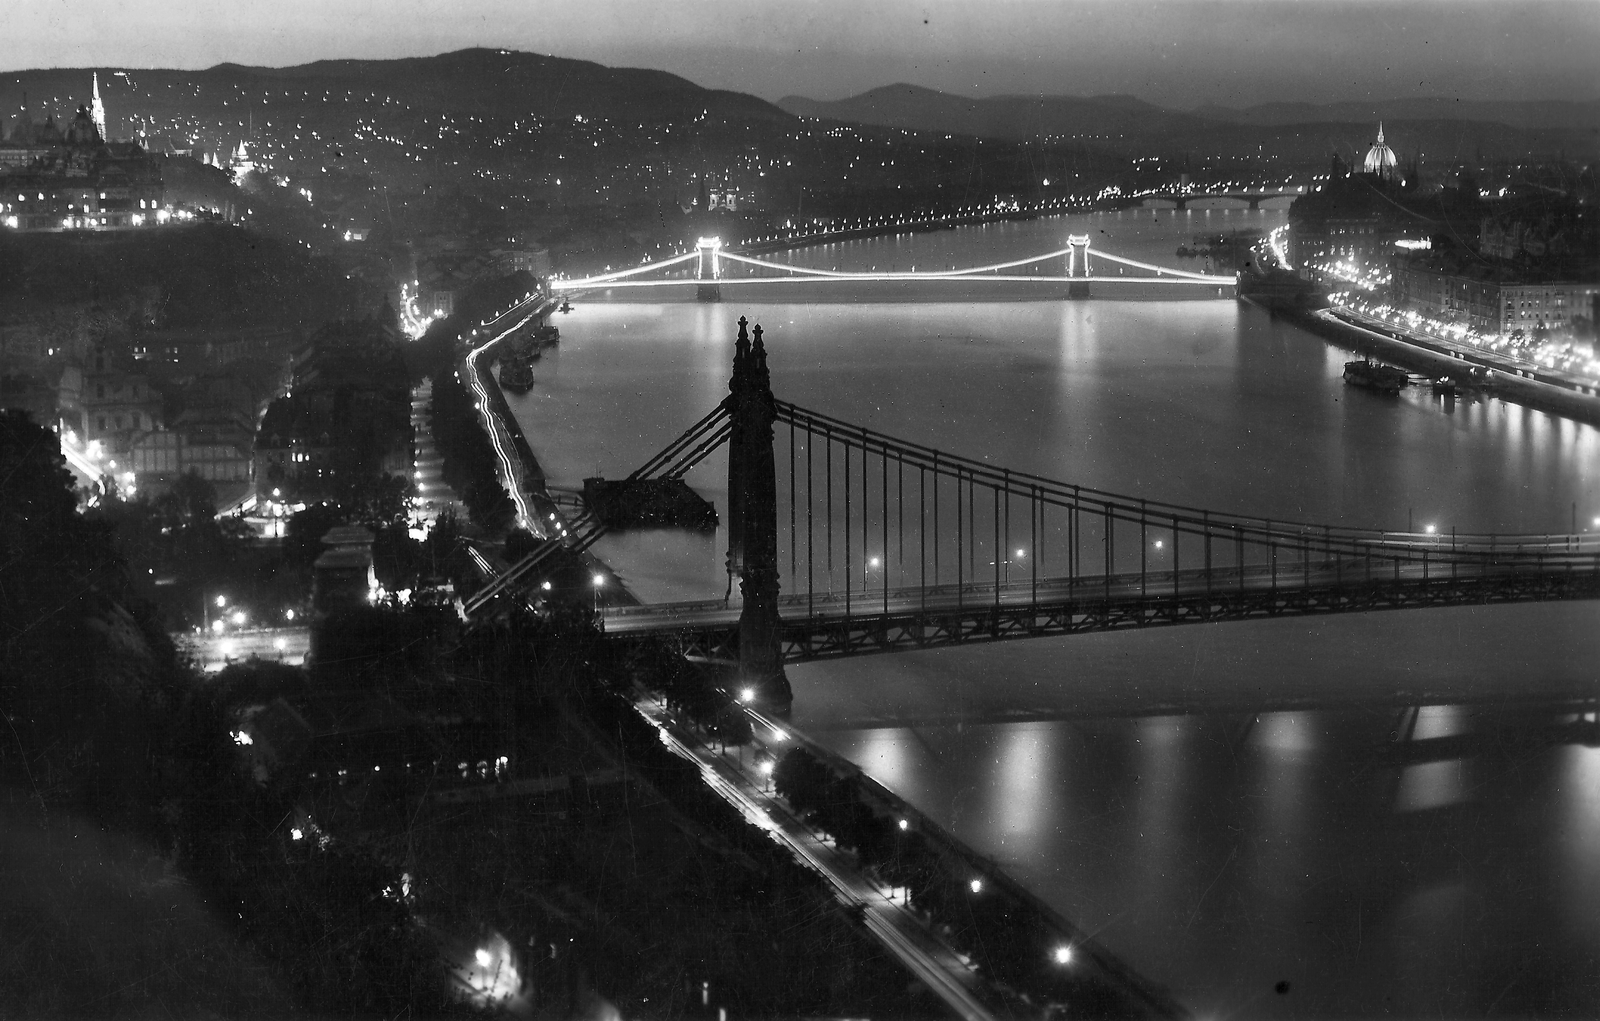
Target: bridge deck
{"x":836,"y":624}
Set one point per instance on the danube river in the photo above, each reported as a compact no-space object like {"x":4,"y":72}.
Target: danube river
{"x":1357,"y":816}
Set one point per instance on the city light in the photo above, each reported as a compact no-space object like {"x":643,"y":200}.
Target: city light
{"x":1063,"y":955}
{"x":976,"y":886}
{"x":747,"y":695}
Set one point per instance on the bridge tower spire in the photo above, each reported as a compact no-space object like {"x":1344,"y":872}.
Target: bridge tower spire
{"x":1078,"y":265}
{"x":709,"y":270}
{"x":753,"y":521}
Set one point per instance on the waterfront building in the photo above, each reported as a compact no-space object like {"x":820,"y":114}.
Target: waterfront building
{"x":1495,"y":298}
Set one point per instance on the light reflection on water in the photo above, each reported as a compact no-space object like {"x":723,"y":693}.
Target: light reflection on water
{"x":1223,"y":854}
{"x":1378,"y":860}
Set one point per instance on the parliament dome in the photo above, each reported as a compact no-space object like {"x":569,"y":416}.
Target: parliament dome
{"x":1380,"y":158}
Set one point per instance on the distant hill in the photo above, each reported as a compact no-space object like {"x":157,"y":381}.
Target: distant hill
{"x":1132,"y":127}
{"x":491,"y":82}
{"x":1551,"y":114}
{"x":393,"y":118}
{"x":1010,"y":117}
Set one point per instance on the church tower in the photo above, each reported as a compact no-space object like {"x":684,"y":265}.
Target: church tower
{"x":98,"y":110}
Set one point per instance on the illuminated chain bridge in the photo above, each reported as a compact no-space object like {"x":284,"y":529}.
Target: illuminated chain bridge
{"x":710,"y":268}
{"x":886,"y":544}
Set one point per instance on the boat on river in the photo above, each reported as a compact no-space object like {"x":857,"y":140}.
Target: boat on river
{"x":516,"y":373}
{"x":1376,"y":376}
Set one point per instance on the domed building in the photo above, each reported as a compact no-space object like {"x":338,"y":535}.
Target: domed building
{"x":1380,"y":158}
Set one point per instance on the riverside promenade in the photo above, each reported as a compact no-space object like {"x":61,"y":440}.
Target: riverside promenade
{"x":1514,"y":380}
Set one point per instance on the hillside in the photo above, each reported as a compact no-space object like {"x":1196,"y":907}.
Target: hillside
{"x":176,"y":277}
{"x":456,"y":110}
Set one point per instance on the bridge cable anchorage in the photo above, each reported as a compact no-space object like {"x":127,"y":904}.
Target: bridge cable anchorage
{"x":600,"y":280}
{"x":676,"y":458}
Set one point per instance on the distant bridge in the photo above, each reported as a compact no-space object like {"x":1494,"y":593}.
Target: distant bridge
{"x":710,"y":268}
{"x":889,"y":544}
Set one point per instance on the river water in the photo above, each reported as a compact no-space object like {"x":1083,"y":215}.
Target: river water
{"x":1359,"y":815}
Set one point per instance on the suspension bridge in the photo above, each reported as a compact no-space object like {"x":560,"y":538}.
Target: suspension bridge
{"x":889,"y":544}
{"x":709,"y":268}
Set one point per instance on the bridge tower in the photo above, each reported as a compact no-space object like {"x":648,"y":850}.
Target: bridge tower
{"x":753,"y":521}
{"x":710,"y":269}
{"x":1078,"y":265}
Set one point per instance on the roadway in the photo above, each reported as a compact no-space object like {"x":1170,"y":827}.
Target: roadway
{"x":1577,"y":553}
{"x":890,"y":920}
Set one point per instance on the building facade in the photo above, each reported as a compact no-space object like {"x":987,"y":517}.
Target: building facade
{"x":73,"y":178}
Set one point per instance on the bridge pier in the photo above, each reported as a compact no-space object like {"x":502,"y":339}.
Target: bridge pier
{"x":1078,"y":265}
{"x":710,"y":270}
{"x":753,"y":523}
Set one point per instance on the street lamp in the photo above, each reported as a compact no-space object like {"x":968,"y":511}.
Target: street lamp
{"x":599,"y":583}
{"x":872,"y":565}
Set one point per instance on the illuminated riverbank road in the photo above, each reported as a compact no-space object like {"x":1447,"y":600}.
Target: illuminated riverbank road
{"x":888,"y":919}
{"x":710,"y":269}
{"x":217,"y":649}
{"x":1511,"y":369}
{"x":520,"y":316}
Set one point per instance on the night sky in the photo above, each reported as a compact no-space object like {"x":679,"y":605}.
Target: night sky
{"x":1175,"y":52}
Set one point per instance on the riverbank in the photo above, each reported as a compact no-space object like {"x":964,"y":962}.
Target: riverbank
{"x":526,"y":480}
{"x":1510,"y":383}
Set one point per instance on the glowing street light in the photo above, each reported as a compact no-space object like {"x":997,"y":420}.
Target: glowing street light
{"x":976,"y":886}
{"x":222,"y":601}
{"x":747,"y":695}
{"x":1063,"y":955}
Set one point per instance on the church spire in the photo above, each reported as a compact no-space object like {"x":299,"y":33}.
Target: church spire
{"x":1380,"y":132}
{"x":98,"y":110}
